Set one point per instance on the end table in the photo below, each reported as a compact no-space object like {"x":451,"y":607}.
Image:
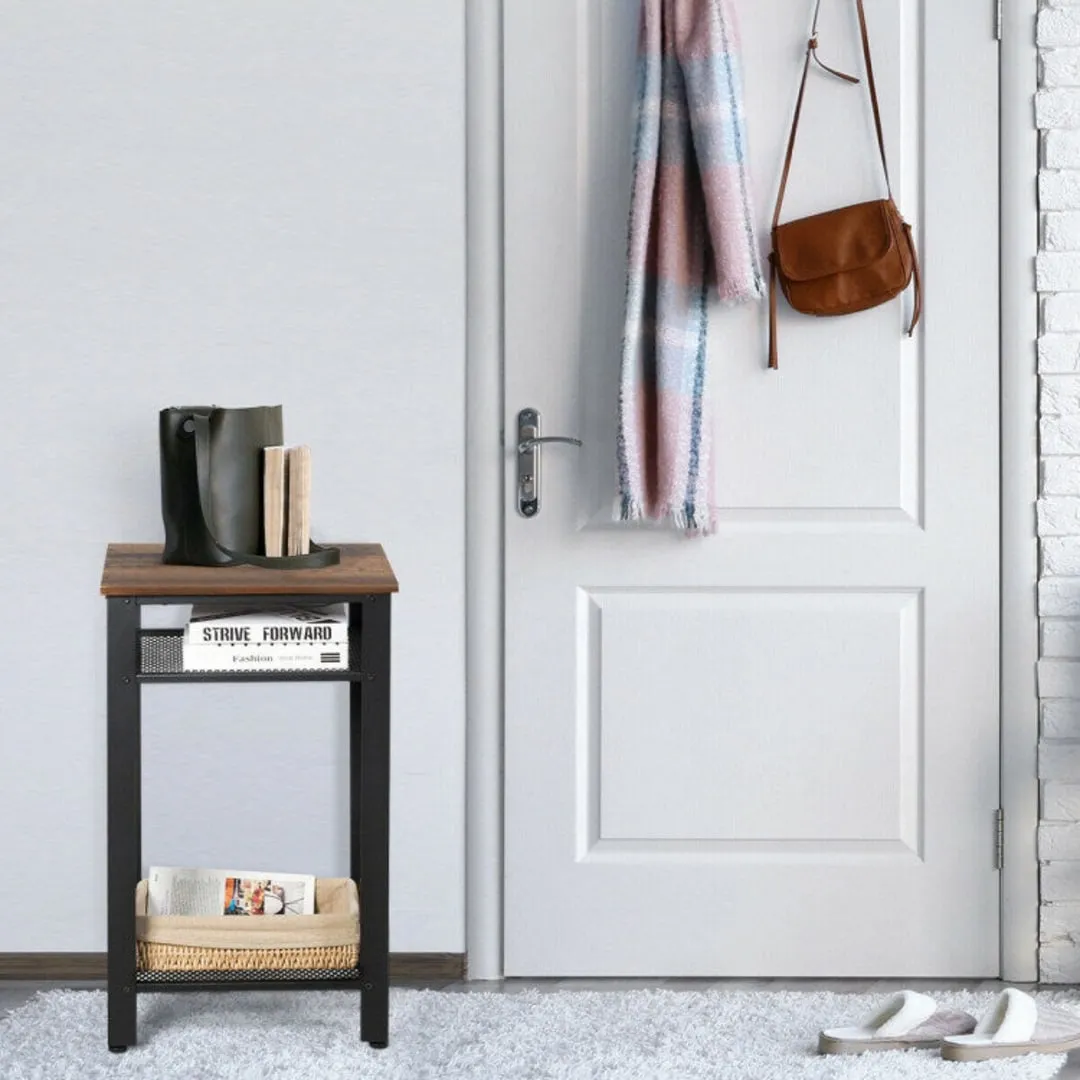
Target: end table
{"x":134,"y":576}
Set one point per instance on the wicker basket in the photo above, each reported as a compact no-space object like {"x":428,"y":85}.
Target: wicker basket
{"x":329,"y":940}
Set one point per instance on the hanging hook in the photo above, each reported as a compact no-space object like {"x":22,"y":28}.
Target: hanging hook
{"x":812,"y":46}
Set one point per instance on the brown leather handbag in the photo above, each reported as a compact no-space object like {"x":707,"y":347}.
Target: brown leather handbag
{"x":843,"y":260}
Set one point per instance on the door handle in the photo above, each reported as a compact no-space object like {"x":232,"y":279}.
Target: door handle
{"x":529,"y":442}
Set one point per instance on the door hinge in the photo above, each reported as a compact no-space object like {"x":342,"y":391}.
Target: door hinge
{"x":999,"y":18}
{"x":999,"y":838}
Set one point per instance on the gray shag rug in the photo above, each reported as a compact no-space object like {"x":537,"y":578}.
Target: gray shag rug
{"x":569,"y":1035}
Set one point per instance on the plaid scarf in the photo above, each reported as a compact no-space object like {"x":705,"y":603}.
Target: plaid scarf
{"x":691,"y":195}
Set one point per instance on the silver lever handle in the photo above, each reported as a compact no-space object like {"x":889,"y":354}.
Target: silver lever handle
{"x":527,"y":444}
{"x":529,"y":441}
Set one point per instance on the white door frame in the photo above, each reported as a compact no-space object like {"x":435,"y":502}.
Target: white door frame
{"x":485,"y":492}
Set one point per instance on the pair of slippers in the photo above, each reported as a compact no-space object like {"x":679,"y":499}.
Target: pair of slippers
{"x":1015,"y":1024}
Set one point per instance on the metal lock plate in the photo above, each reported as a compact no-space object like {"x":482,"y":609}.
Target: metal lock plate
{"x":529,"y":444}
{"x":528,"y":463}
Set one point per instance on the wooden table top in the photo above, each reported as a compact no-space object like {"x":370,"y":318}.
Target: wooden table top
{"x":137,"y":570}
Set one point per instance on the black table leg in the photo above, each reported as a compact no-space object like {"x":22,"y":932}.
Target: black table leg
{"x":370,"y":790}
{"x":124,"y":826}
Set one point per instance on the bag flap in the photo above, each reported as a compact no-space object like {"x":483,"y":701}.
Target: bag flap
{"x":831,"y":243}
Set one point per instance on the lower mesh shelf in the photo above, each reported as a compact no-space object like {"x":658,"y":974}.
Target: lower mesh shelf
{"x":269,"y":975}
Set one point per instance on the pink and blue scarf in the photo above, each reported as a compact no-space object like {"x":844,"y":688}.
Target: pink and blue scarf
{"x":691,"y":221}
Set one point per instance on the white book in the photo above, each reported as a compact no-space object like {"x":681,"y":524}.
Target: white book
{"x":326,"y":624}
{"x":274,"y":499}
{"x":298,"y":515}
{"x":281,"y":657}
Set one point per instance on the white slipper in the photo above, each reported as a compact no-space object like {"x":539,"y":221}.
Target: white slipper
{"x":1016,"y":1024}
{"x":908,"y":1021}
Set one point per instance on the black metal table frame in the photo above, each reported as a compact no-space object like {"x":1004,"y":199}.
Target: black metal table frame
{"x":369,"y":803}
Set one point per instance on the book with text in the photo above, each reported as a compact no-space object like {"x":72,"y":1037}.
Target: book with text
{"x":286,"y":623}
{"x":285,"y":638}
{"x":265,"y":658}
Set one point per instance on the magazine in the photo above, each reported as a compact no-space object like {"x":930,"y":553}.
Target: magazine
{"x":282,"y":638}
{"x":264,"y":658}
{"x":174,"y":890}
{"x":315,"y":625}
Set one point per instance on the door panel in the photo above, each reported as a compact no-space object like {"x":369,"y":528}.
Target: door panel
{"x":772,"y":751}
{"x":724,"y":649}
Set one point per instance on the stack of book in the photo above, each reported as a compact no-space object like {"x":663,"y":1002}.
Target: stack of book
{"x":286,"y":500}
{"x":283,"y":638}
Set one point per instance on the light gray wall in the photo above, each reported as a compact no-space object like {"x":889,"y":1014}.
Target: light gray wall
{"x":236,"y":203}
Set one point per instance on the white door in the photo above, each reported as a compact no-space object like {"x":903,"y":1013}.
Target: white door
{"x":773,"y":751}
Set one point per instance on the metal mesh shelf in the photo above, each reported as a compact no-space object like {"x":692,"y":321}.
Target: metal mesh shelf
{"x":161,"y":653}
{"x":248,"y":976}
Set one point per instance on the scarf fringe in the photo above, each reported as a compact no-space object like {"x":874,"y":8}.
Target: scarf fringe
{"x":629,"y":509}
{"x":693,"y":522}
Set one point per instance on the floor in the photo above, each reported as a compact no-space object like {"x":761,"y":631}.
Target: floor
{"x":13,"y":993}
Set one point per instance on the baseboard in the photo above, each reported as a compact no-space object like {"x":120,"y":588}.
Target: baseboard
{"x":72,"y":967}
{"x":52,"y":965}
{"x":427,"y":965}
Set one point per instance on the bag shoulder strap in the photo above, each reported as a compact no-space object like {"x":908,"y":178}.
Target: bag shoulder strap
{"x":811,"y":55}
{"x":319,"y":557}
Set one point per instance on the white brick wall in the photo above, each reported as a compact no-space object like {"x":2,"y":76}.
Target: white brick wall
{"x":1057,"y":274}
{"x":1060,"y":719}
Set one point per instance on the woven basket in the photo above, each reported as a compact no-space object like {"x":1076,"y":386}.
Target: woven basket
{"x":329,"y":940}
